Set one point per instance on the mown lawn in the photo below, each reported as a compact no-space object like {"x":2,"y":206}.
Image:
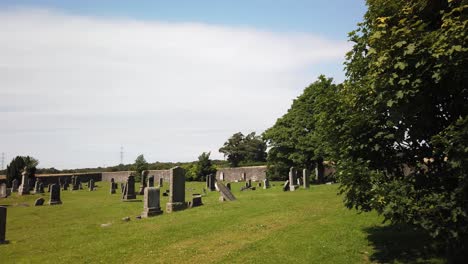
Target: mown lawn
{"x":262,"y":226}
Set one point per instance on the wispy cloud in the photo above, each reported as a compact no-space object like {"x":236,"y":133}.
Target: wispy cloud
{"x":74,"y":88}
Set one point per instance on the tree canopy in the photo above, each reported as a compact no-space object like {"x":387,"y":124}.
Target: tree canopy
{"x":17,"y":166}
{"x":239,"y":148}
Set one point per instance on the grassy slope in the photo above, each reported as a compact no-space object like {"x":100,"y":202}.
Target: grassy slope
{"x":263,"y":226}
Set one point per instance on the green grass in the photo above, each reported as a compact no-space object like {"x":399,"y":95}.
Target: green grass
{"x":262,"y":226}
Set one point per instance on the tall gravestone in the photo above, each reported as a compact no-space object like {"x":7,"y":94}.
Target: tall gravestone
{"x":144,"y":176}
{"x":292,"y":177}
{"x":151,"y":202}
{"x":24,"y":187}
{"x":161,"y":182}
{"x":3,"y":218}
{"x":31,"y":184}
{"x":286,"y":186}
{"x":14,"y":185}
{"x":3,"y":190}
{"x":150,"y":181}
{"x":129,"y":189}
{"x":91,"y":185}
{"x":249,"y":183}
{"x":41,"y":187}
{"x":266,"y":184}
{"x":36,"y":187}
{"x":176,"y":190}
{"x":306,"y":178}
{"x":210,"y":183}
{"x":113,"y":186}
{"x":122,"y":187}
{"x":243,"y":176}
{"x":55,"y":194}
{"x":66,"y":185}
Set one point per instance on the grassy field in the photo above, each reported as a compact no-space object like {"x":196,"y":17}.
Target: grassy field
{"x":262,"y":226}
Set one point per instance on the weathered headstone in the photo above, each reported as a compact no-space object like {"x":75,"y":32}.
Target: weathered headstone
{"x":3,"y":190}
{"x":14,"y":185}
{"x":112,"y":186}
{"x":24,"y":187}
{"x":122,"y":187}
{"x":221,"y":176}
{"x":210,"y":182}
{"x":151,"y":206}
{"x":243,"y":176}
{"x":266,"y":184}
{"x":196,"y":200}
{"x":91,"y":185}
{"x":3,"y":218}
{"x":249,"y":183}
{"x":41,"y":187}
{"x":306,"y":178}
{"x":299,"y":181}
{"x":36,"y":187}
{"x":226,"y":194}
{"x":66,"y":185}
{"x":129,"y":189}
{"x":292,"y":178}
{"x":228,"y":185}
{"x":39,"y":202}
{"x":176,"y":190}
{"x":286,"y":186}
{"x":150,"y":181}
{"x":161,"y":182}
{"x":55,"y":195}
{"x":144,"y":176}
{"x":48,"y":187}
{"x":31,"y":184}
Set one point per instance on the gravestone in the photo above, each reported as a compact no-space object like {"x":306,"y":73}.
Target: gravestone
{"x":151,"y":201}
{"x":210,"y":182}
{"x":161,"y":181}
{"x":91,"y":185}
{"x":150,"y":181}
{"x":292,"y":178}
{"x":24,"y":187}
{"x":228,"y":185}
{"x":80,"y":185}
{"x":221,"y":176}
{"x":31,"y":184}
{"x":36,"y":187}
{"x":243,"y":176}
{"x":41,"y":187}
{"x":226,"y":194}
{"x":112,"y":187}
{"x":299,"y":181}
{"x":286,"y":186}
{"x":14,"y":185}
{"x":66,"y":185}
{"x":249,"y":183}
{"x":266,"y":184}
{"x":176,"y":190}
{"x":55,"y":195}
{"x":259,"y":184}
{"x":306,"y":178}
{"x":48,"y":187}
{"x":122,"y":187}
{"x":144,"y":176}
{"x":196,"y":200}
{"x":3,"y":218}
{"x":39,"y":202}
{"x":3,"y":190}
{"x":129,"y":189}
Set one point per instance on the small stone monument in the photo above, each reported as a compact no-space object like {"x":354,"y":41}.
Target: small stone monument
{"x":48,"y":187}
{"x":226,"y":194}
{"x":39,"y":202}
{"x":144,"y":176}
{"x":196,"y":200}
{"x":3,"y":190}
{"x":151,"y":206}
{"x":228,"y":185}
{"x":113,"y":186}
{"x":55,"y":195}
{"x":299,"y":181}
{"x":243,"y":176}
{"x":176,"y":190}
{"x":24,"y":187}
{"x":266,"y":184}
{"x":286,"y":186}
{"x":14,"y":185}
{"x":41,"y":187}
{"x":306,"y":178}
{"x":210,"y":182}
{"x":129,"y":189}
{"x":292,"y":178}
{"x":66,"y":185}
{"x":150,"y":181}
{"x":161,"y":181}
{"x":36,"y":187}
{"x":3,"y":218}
{"x":91,"y":185}
{"x":249,"y":183}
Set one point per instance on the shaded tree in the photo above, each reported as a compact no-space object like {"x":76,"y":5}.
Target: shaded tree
{"x":17,"y":166}
{"x":240,"y":148}
{"x":139,"y":166}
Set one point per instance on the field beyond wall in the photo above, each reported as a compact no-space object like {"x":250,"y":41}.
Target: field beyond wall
{"x":262,"y":226}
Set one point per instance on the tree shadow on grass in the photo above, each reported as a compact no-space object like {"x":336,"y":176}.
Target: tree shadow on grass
{"x":403,"y":244}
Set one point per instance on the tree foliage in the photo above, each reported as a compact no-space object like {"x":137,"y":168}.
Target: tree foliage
{"x":295,"y":138}
{"x":202,"y":168}
{"x":404,"y":103}
{"x":240,"y":148}
{"x":17,"y":166}
{"x":139,"y":166}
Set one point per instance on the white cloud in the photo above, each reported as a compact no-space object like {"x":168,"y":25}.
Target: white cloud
{"x":74,"y":88}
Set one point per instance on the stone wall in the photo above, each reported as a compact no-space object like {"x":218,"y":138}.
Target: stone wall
{"x":254,"y":173}
{"x":119,"y":176}
{"x":54,"y":178}
{"x":165,"y":174}
{"x":2,"y":178}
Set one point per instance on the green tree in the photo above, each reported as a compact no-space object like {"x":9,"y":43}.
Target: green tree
{"x":204,"y":167}
{"x":404,"y":100}
{"x":17,"y":166}
{"x":240,"y":148}
{"x":295,"y":139}
{"x":139,"y":166}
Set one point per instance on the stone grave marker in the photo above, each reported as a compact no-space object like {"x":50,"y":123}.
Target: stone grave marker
{"x":3,"y":190}
{"x":36,"y":187}
{"x":210,"y":182}
{"x":48,"y":187}
{"x":161,"y":182}
{"x":3,"y":218}
{"x":292,"y":178}
{"x":41,"y":187}
{"x":122,"y":187}
{"x":299,"y":181}
{"x":286,"y":186}
{"x":151,"y":202}
{"x":14,"y":185}
{"x":306,"y":178}
{"x":226,"y":194}
{"x":24,"y":187}
{"x":129,"y":192}
{"x":144,"y":176}
{"x":150,"y":181}
{"x":39,"y":202}
{"x":176,"y":190}
{"x":228,"y":185}
{"x":266,"y":184}
{"x":91,"y":185}
{"x":55,"y":195}
{"x":196,"y":200}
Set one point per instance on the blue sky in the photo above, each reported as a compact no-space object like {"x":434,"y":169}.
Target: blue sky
{"x":170,"y":80}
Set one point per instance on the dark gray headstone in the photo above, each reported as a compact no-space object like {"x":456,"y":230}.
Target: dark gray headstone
{"x":48,"y":187}
{"x":161,"y":182}
{"x":55,"y":195}
{"x":196,"y":200}
{"x":150,"y":181}
{"x":144,"y":177}
{"x":91,"y":185}
{"x":226,"y":194}
{"x":176,"y":190}
{"x":14,"y":185}
{"x":306,"y":178}
{"x":286,"y":186}
{"x":151,"y":202}
{"x":122,"y":187}
{"x":228,"y":185}
{"x":39,"y":202}
{"x":41,"y":187}
{"x":3,"y":218}
{"x":129,"y":189}
{"x":113,"y":186}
